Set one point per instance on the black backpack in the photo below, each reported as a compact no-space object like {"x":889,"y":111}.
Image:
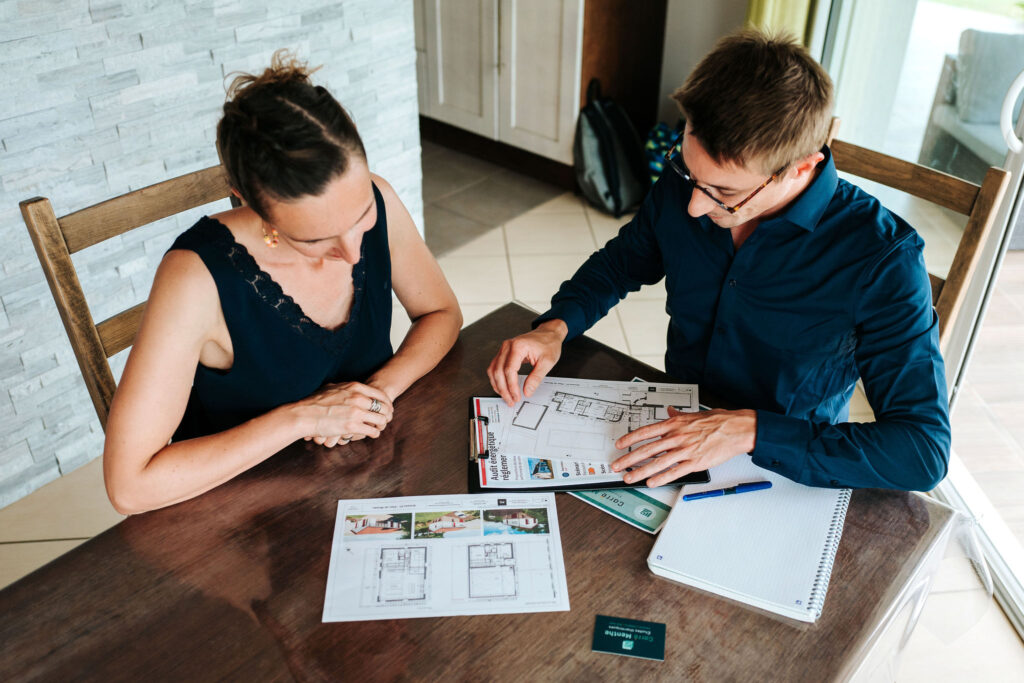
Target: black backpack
{"x":608,"y":155}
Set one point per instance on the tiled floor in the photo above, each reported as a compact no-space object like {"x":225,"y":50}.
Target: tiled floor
{"x":52,"y":520}
{"x":523,"y":250}
{"x":472,"y":197}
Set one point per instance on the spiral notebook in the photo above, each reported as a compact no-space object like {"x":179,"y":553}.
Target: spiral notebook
{"x":772,"y":549}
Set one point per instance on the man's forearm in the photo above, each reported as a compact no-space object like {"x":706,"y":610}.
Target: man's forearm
{"x":906,"y":453}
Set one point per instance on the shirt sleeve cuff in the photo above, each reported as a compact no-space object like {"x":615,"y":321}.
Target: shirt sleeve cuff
{"x":571,"y":315}
{"x":782,"y":444}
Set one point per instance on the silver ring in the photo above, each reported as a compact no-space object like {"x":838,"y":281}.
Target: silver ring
{"x":347,"y":437}
{"x":375,"y":406}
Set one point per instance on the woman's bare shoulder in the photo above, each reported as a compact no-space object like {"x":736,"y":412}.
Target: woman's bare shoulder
{"x":386,"y":191}
{"x":400,"y":223}
{"x":181,"y":268}
{"x":184,"y":287}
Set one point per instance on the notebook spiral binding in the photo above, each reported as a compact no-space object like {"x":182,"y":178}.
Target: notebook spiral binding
{"x":816,"y":602}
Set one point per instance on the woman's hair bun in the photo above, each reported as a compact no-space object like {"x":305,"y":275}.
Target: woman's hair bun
{"x":285,"y":68}
{"x":281,"y":137}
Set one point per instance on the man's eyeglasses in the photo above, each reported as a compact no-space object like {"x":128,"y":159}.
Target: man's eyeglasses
{"x":684,"y":173}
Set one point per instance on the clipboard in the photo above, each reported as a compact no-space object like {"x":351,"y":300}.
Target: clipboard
{"x":480,"y":455}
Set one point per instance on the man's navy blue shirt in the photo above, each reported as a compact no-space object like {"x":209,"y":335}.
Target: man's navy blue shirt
{"x":833,"y":289}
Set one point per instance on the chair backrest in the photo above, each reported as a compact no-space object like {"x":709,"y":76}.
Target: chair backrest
{"x":978,"y":202}
{"x":56,"y":239}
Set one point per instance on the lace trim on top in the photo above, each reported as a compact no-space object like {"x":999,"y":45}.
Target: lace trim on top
{"x":268,"y":289}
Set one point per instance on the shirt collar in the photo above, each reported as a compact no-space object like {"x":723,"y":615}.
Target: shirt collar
{"x":808,"y":208}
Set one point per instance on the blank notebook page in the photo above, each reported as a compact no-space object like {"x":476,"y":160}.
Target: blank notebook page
{"x":772,"y":548}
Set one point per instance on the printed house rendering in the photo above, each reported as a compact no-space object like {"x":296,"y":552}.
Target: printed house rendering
{"x":454,"y":520}
{"x":519,"y":519}
{"x":441,"y":523}
{"x":516,"y":521}
{"x":372,"y":524}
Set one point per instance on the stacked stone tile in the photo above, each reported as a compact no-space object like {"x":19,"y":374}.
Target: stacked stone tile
{"x":100,"y":97}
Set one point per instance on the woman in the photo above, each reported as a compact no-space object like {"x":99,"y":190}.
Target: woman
{"x":270,"y":322}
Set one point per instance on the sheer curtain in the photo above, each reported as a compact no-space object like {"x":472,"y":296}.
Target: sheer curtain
{"x":792,"y":16}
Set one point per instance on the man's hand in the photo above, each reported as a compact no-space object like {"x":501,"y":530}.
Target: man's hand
{"x":687,"y":442}
{"x":541,"y":348}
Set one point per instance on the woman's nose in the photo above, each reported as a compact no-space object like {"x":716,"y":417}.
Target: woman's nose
{"x":346,"y":250}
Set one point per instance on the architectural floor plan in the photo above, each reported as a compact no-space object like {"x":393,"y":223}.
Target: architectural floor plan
{"x":402,"y":574}
{"x":500,"y":554}
{"x":492,"y":570}
{"x":575,"y":419}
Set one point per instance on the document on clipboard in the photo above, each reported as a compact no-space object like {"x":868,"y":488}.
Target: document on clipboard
{"x":563,"y":436}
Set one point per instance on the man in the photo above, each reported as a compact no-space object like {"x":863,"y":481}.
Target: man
{"x":784,"y":285}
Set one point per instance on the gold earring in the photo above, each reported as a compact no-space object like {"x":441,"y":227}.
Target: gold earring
{"x":271,"y":238}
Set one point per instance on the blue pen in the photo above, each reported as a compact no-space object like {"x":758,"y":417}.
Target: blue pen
{"x":739,"y":488}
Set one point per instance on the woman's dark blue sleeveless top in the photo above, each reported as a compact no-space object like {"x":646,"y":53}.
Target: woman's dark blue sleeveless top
{"x":281,"y":355}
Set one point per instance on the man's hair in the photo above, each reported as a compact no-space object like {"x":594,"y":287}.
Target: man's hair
{"x":758,"y":100}
{"x":281,"y":137}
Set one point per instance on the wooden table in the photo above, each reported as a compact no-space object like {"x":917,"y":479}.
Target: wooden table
{"x":231,"y":585}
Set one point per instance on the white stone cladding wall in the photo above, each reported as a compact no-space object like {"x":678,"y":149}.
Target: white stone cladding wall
{"x":100,"y":97}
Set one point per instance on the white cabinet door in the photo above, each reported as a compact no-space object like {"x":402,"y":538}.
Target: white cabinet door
{"x":461,"y":44}
{"x":422,"y":76}
{"x":539,"y":91}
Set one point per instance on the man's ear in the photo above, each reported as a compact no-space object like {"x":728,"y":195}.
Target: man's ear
{"x":808,"y":163}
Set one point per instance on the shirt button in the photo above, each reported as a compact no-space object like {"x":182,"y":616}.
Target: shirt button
{"x":732,"y":283}
{"x":775,"y":463}
{"x":833,"y":483}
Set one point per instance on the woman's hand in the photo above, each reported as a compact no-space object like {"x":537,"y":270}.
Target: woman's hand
{"x":345,"y":412}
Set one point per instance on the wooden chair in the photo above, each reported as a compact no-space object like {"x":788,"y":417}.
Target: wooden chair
{"x":56,"y":239}
{"x":977,"y":202}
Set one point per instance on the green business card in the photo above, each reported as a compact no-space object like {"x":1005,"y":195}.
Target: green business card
{"x":632,"y":506}
{"x":643,"y":639}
